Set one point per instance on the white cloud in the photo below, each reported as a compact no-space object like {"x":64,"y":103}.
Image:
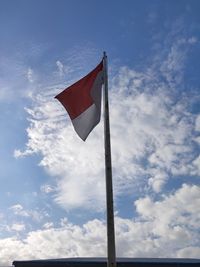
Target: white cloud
{"x":46,"y":188}
{"x":62,"y":160}
{"x":19,"y":210}
{"x":36,"y":215}
{"x":189,"y":252}
{"x":196,"y":165}
{"x":172,"y":67}
{"x":18,"y":227}
{"x":60,"y":67}
{"x":11,"y":90}
{"x":68,"y":241}
{"x":158,"y":180}
{"x":177,"y":209}
{"x":197,"y":123}
{"x":165,"y":228}
{"x":30,"y":75}
{"x":48,"y":225}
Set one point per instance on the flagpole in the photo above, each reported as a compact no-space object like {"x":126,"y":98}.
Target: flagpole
{"x":108,"y":171}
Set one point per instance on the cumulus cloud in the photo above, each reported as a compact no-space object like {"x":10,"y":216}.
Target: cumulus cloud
{"x":67,"y":241}
{"x":185,"y":201}
{"x":165,"y":228}
{"x":158,"y":180}
{"x":174,"y":220}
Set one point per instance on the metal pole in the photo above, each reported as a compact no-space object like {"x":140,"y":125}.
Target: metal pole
{"x":108,"y":171}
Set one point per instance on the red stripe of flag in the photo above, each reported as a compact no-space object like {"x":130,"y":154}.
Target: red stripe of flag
{"x":77,"y":98}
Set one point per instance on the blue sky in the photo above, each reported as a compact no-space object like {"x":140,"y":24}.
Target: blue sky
{"x":52,"y":193}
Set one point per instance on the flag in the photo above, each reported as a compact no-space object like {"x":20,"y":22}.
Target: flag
{"x":82,"y":101}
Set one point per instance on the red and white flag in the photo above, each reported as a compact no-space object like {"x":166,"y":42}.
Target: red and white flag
{"x":82,"y":101}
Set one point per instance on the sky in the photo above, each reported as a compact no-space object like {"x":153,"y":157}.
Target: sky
{"x":52,"y":184}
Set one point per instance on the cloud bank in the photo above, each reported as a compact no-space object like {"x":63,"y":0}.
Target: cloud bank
{"x":165,"y":228}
